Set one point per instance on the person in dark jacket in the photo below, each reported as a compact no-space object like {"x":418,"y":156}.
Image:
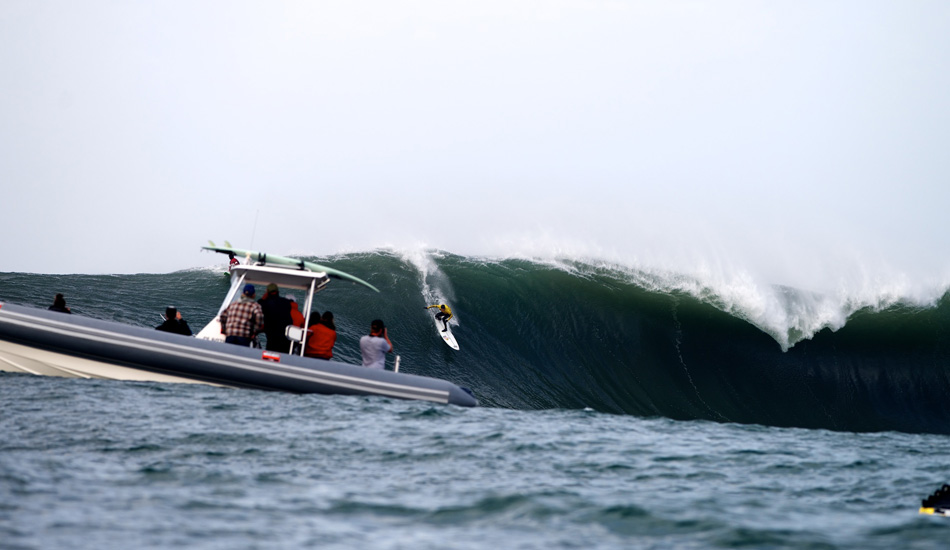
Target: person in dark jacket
{"x":277,"y":316}
{"x":174,"y":323}
{"x":59,"y":304}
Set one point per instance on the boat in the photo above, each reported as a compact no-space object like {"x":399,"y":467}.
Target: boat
{"x":50,"y":343}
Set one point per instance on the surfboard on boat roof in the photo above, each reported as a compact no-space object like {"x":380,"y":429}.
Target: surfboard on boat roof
{"x":263,"y":257}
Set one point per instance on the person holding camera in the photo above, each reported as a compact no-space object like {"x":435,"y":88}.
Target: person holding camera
{"x":375,"y":346}
{"x":174,"y":322}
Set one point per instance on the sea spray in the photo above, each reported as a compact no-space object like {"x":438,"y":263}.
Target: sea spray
{"x":435,"y":286}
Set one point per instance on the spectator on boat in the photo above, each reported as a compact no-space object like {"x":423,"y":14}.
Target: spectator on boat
{"x":295,"y":312}
{"x":444,"y":314}
{"x":174,"y":323}
{"x":232,"y":261}
{"x":321,"y":336}
{"x":375,"y":346}
{"x":243,"y":320}
{"x":59,"y":304}
{"x":277,"y":316}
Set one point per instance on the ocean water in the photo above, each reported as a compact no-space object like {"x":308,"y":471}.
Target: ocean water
{"x":618,"y":411}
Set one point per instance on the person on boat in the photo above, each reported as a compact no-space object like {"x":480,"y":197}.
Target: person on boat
{"x":298,"y":319}
{"x":375,"y":346}
{"x":243,"y":320}
{"x":321,"y":336}
{"x":174,"y":323}
{"x":59,"y":304}
{"x":444,"y":314}
{"x":277,"y":316}
{"x":232,"y":261}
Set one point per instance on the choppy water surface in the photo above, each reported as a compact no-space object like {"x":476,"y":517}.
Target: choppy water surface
{"x":100,"y":464}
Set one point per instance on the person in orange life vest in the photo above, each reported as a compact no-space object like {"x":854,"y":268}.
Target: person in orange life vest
{"x":298,"y":320}
{"x":321,"y":336}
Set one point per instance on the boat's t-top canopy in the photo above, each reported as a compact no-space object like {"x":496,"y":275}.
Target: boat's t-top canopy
{"x":286,"y":273}
{"x":280,"y":276}
{"x":310,"y":282}
{"x":272,"y":259}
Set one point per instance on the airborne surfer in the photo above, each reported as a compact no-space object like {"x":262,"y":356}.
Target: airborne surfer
{"x":444,"y":314}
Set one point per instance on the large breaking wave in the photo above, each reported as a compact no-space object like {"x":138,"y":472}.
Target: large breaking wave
{"x":574,"y":334}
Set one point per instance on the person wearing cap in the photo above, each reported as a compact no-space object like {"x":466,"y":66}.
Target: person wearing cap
{"x":277,"y":316}
{"x":444,"y":314}
{"x":242,"y":320}
{"x":174,"y":323}
{"x":375,"y":346}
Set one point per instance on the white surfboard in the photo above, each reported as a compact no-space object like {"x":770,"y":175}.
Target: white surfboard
{"x":447,"y":336}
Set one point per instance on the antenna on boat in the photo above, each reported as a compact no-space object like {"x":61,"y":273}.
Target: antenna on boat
{"x":254,"y":231}
{"x":396,"y":366}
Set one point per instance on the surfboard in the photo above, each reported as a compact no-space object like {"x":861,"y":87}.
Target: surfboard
{"x":447,"y":336}
{"x":283,"y":260}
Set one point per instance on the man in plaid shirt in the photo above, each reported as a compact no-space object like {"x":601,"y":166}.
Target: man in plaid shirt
{"x":243,"y":319}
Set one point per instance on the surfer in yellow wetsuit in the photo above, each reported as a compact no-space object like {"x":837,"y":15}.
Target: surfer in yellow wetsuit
{"x":444,"y":314}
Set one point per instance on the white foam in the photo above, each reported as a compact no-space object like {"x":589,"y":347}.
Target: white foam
{"x":789,"y":313}
{"x":435,"y":285}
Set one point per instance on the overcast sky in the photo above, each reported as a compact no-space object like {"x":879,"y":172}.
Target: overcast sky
{"x":798,"y":140}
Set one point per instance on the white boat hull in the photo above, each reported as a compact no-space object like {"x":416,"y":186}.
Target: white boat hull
{"x":30,"y":360}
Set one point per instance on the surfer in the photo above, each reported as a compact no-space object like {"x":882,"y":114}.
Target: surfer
{"x":243,"y":319}
{"x":174,"y":323}
{"x":375,"y":346}
{"x":59,"y":304}
{"x":444,"y":314}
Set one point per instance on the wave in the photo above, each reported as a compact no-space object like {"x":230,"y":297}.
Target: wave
{"x":574,"y":334}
